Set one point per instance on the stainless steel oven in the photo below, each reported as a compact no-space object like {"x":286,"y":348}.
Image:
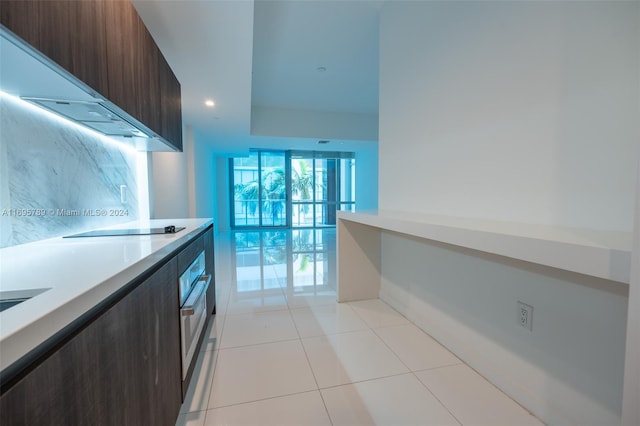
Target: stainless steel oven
{"x":193,"y":309}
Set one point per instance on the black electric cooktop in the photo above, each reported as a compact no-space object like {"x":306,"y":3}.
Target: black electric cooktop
{"x":125,"y":232}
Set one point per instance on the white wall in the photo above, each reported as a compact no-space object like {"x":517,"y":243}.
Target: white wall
{"x":297,"y":123}
{"x":169,"y":189}
{"x":222,"y":214}
{"x":205,"y":188}
{"x":630,"y":407}
{"x":567,"y":370}
{"x":525,"y":112}
{"x":367,"y":177}
{"x":184,"y":184}
{"x":519,"y":111}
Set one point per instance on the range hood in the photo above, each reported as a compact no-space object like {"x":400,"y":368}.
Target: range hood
{"x":28,"y":74}
{"x":92,"y":114}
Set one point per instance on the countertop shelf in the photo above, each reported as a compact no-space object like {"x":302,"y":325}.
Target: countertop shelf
{"x":602,"y":254}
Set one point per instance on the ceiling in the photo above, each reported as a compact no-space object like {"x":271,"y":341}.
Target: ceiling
{"x":293,"y":39}
{"x":265,"y":56}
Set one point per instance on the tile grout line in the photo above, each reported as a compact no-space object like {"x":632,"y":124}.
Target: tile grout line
{"x":270,"y":341}
{"x":304,"y":350}
{"x":410,"y":371}
{"x":257,"y":312}
{"x":293,"y":339}
{"x":226,"y":290}
{"x":194,"y":378}
{"x":258,"y":400}
{"x":436,"y":397}
{"x":206,"y":411}
{"x":391,"y":349}
{"x":224,"y":319}
{"x":216,"y":356}
{"x":326,"y":409}
{"x":373,"y":379}
{"x":498,"y":389}
{"x":306,"y":355}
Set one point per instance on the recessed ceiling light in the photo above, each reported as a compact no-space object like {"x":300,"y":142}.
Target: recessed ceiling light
{"x":209,"y":103}
{"x":321,"y":69}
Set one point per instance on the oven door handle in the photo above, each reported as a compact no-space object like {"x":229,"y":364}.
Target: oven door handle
{"x":198,"y":292}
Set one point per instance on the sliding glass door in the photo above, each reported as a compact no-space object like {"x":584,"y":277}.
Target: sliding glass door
{"x":259,"y":185}
{"x":321,"y":184}
{"x":273,"y":189}
{"x":291,"y":189}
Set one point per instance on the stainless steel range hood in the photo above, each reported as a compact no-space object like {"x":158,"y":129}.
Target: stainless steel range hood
{"x":28,"y":74}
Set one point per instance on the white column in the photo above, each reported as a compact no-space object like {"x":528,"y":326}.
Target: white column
{"x":631,"y":398}
{"x":189,"y":151}
{"x":358,"y":261}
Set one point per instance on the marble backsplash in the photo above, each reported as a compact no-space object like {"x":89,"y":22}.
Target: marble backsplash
{"x":57,"y":178}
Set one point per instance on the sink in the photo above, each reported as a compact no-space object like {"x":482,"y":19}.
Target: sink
{"x":8,"y":303}
{"x":11,"y":298}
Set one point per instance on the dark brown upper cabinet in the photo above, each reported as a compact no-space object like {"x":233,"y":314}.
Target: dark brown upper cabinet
{"x":104,"y":44}
{"x":171,"y":103}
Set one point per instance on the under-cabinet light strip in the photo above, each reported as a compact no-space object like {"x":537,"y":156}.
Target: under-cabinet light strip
{"x":65,"y":122}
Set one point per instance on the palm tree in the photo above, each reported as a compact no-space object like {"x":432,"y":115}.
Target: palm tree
{"x":274,"y":189}
{"x":248,"y":194}
{"x":274,"y":192}
{"x":301,"y":179}
{"x":302,"y":183}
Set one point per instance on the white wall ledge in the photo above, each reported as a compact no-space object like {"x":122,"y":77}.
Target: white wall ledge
{"x":603,"y":254}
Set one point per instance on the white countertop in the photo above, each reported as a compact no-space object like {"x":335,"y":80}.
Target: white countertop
{"x":602,"y":254}
{"x":79,"y":273}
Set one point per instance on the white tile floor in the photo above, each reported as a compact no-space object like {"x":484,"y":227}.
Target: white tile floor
{"x":281,"y":351}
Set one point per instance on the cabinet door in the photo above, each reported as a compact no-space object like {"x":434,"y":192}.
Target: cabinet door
{"x":158,"y":350}
{"x":71,"y":33}
{"x":170,"y":104}
{"x":122,"y":55}
{"x":210,"y":265}
{"x":46,"y":25}
{"x":24,"y":18}
{"x":148,"y":80}
{"x":132,"y":57}
{"x":88,"y":42}
{"x":122,"y":369}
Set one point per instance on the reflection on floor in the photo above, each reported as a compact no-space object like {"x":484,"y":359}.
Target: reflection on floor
{"x":281,"y":351}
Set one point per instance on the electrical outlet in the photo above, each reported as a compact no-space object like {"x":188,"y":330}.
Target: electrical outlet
{"x":525,"y":315}
{"x":123,"y":194}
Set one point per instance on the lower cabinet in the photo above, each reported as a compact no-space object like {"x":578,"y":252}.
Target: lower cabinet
{"x":122,"y":369}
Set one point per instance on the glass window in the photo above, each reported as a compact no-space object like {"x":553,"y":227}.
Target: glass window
{"x":293,"y":189}
{"x":259,"y":190}
{"x":273,"y":189}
